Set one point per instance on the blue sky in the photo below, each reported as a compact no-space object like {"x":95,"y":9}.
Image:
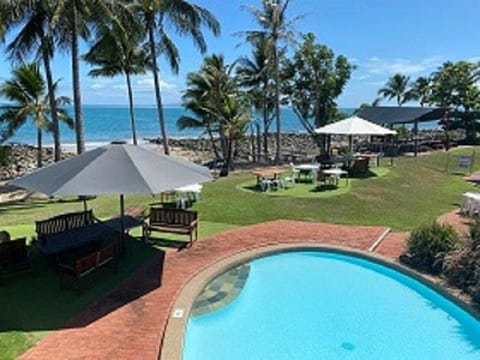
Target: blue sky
{"x":381,"y":37}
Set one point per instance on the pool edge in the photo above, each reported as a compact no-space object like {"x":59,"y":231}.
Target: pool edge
{"x":173,"y":336}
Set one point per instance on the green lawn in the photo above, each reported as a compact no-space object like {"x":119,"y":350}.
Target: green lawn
{"x":410,"y":193}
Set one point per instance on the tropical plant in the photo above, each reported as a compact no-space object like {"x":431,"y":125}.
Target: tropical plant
{"x":184,"y":18}
{"x":315,"y":78}
{"x":397,"y":87}
{"x":255,"y":75}
{"x":421,"y":90}
{"x":27,"y":92}
{"x":428,"y":243}
{"x":454,"y":85}
{"x":74,"y":19}
{"x":212,"y":96}
{"x":30,"y":21}
{"x":274,"y":28}
{"x":118,"y":51}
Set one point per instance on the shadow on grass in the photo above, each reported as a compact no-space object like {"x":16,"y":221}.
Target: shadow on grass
{"x":21,"y":205}
{"x":363,"y":175}
{"x":323,"y":187}
{"x":36,"y":303}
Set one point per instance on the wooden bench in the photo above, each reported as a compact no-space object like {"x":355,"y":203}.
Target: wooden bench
{"x":14,"y":258}
{"x":86,"y":264}
{"x":64,"y":222}
{"x":176,"y":221}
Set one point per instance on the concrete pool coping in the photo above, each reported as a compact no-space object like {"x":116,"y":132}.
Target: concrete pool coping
{"x":172,"y":343}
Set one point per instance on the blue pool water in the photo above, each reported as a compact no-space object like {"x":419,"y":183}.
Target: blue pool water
{"x":317,"y":305}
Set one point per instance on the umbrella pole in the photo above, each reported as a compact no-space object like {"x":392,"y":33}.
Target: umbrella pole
{"x":122,"y":225}
{"x":85,"y":204}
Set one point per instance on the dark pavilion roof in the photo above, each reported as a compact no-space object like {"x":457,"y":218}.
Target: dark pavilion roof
{"x":386,"y":115}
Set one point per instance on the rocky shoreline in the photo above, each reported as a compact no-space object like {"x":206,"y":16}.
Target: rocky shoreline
{"x":300,"y":146}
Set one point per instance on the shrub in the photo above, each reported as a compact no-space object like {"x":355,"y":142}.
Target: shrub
{"x":5,"y":158}
{"x":428,"y":244}
{"x":475,"y":232}
{"x":462,"y":269}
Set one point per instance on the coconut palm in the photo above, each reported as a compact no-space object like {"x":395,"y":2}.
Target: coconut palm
{"x":255,"y":75}
{"x":30,"y":21}
{"x":397,"y":87}
{"x":27,"y":92}
{"x":421,"y":90}
{"x":275,"y":28}
{"x":213,"y":98}
{"x":118,"y":51}
{"x":184,"y":18}
{"x":71,"y":20}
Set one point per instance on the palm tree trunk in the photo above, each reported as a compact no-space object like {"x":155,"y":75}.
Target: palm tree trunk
{"x":158,"y":95}
{"x":277,"y":107}
{"x":132,"y":115}
{"x":77,"y":101}
{"x":39,"y":148}
{"x":265,"y":129}
{"x":53,"y":104}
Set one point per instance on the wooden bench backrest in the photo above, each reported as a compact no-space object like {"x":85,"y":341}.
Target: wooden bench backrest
{"x":13,"y":252}
{"x":172,"y":216}
{"x":64,"y":222}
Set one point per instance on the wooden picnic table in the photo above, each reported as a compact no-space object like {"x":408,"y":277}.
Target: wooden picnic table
{"x":269,"y":172}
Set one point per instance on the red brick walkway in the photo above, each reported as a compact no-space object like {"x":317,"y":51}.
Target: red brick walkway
{"x":129,"y":322}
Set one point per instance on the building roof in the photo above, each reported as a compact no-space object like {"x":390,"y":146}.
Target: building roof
{"x":387,"y":115}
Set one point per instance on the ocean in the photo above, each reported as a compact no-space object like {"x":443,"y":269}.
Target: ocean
{"x":105,"y":123}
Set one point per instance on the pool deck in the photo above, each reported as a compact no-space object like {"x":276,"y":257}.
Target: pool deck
{"x":129,"y":322}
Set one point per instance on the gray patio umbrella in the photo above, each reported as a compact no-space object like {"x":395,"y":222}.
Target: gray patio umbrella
{"x":117,"y":168}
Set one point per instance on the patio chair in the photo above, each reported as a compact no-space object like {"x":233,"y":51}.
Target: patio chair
{"x":292,"y":178}
{"x":325,"y":179}
{"x":14,"y":258}
{"x":265,"y":184}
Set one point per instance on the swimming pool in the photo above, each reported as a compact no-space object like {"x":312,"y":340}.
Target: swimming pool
{"x":323,"y":305}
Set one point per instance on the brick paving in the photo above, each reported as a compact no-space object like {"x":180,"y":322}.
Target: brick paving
{"x":129,"y":322}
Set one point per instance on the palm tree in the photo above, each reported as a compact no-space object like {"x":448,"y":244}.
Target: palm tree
{"x":274,"y":28}
{"x":421,"y":90}
{"x":255,"y":75}
{"x":33,"y":38}
{"x":186,"y":19}
{"x":397,"y":87}
{"x":27,"y":91}
{"x":118,"y":51}
{"x":213,"y":98}
{"x":70,"y":21}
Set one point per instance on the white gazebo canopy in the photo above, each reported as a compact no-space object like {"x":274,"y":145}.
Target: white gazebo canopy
{"x":354,"y":125}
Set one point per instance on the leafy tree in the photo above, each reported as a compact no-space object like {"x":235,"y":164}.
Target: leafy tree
{"x":316,"y":77}
{"x":212,"y":96}
{"x":255,"y":75}
{"x":454,"y":85}
{"x":275,"y":28}
{"x":118,"y":51}
{"x":30,"y":21}
{"x":71,"y":20}
{"x":184,"y":18}
{"x":397,"y":87}
{"x":27,"y":91}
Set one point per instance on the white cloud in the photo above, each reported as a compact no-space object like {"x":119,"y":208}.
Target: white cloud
{"x":379,"y":66}
{"x":97,"y":86}
{"x":361,"y":77}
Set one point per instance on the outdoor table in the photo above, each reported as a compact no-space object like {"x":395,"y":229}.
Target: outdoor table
{"x":307,"y":169}
{"x":337,"y":172}
{"x":73,"y":239}
{"x":370,"y":156}
{"x":475,"y":178}
{"x":76,"y":238}
{"x":269,"y":172}
{"x":183,"y":193}
{"x":470,"y":203}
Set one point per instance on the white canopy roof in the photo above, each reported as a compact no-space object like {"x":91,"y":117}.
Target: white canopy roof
{"x":354,"y":126}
